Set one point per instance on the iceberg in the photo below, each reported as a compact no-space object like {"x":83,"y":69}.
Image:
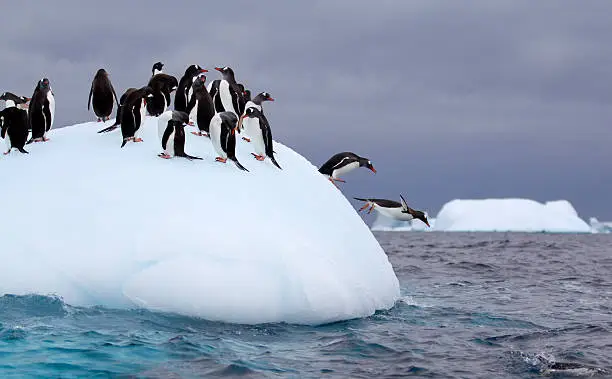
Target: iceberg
{"x":383,"y":223}
{"x":510,"y":215}
{"x":97,"y":224}
{"x":600,"y":226}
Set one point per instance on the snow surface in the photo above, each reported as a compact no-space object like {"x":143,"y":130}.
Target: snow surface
{"x":100,"y":225}
{"x":510,"y":215}
{"x":383,"y":223}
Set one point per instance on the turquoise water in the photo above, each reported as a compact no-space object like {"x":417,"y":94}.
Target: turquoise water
{"x":473,"y":306}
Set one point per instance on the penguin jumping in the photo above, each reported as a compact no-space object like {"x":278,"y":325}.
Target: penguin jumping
{"x":41,"y":112}
{"x":184,"y":91}
{"x":342,"y":163}
{"x":134,"y":113}
{"x":14,"y":122}
{"x":262,"y":136}
{"x":171,"y":129}
{"x":393,"y":209}
{"x":256,"y":103}
{"x":103,"y":95}
{"x":201,"y":107}
{"x":223,"y":135}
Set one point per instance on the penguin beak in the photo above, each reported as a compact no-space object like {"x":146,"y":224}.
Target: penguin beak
{"x":270,"y":99}
{"x":427,"y":223}
{"x":204,"y":70}
{"x":240,"y":121}
{"x":219,"y":69}
{"x":373,"y":169}
{"x":233,"y":131}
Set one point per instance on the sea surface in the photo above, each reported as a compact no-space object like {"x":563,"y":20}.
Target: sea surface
{"x":473,"y":306}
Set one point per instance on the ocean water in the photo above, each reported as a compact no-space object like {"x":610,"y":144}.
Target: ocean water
{"x":474,"y":306}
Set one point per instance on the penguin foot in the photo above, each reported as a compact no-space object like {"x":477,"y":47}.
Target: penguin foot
{"x":246,"y":139}
{"x":334,"y":183}
{"x":164,"y":155}
{"x":222,"y":160}
{"x":200,"y":134}
{"x":338,"y":180}
{"x":371,"y":209}
{"x":364,"y":207}
{"x":7,"y":153}
{"x":137,"y":139}
{"x":99,"y":120}
{"x":258,"y":157}
{"x":45,"y":139}
{"x":190,"y":123}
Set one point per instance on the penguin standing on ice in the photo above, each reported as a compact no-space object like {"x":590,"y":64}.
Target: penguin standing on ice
{"x":223,"y":135}
{"x":171,"y":129}
{"x":257,"y":103}
{"x":342,"y":163}
{"x":262,"y":137}
{"x":14,"y":122}
{"x":162,"y":85}
{"x":103,"y":95}
{"x":41,"y":112}
{"x":393,"y":209}
{"x":201,"y":107}
{"x":134,"y":113}
{"x":225,"y":92}
{"x":183,"y":93}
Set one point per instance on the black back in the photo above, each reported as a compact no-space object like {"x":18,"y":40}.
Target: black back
{"x":338,"y":161}
{"x":181,"y":97}
{"x":39,"y":112}
{"x":130,"y":114}
{"x":206,"y":108}
{"x":14,"y":125}
{"x":103,"y":94}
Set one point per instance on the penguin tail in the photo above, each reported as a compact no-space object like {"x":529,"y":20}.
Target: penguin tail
{"x":30,"y":141}
{"x":275,"y":162}
{"x":191,"y":157}
{"x":109,"y":129}
{"x":22,"y":150}
{"x":124,"y":142}
{"x":239,"y":165}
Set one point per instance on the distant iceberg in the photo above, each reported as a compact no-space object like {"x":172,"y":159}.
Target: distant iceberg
{"x":119,"y":227}
{"x":383,"y":223}
{"x":600,"y":226}
{"x":510,"y":215}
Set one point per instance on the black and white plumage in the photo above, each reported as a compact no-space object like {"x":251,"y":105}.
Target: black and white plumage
{"x":158,"y":68}
{"x":119,"y":110}
{"x":134,"y":113}
{"x":223,"y":136}
{"x":102,"y":96}
{"x":393,"y":209}
{"x":225,"y":92}
{"x":257,"y":103}
{"x":41,"y":112}
{"x":262,"y":136}
{"x":14,"y":122}
{"x":200,"y":107}
{"x":184,"y":91}
{"x":171,"y":130}
{"x":342,"y":163}
{"x":162,"y":85}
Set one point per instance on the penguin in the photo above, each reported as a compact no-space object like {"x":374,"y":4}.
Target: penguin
{"x":223,"y":135}
{"x":262,"y":137}
{"x":201,"y":106}
{"x":171,"y":129}
{"x":14,"y":122}
{"x":158,"y":68}
{"x":256,"y":103}
{"x":103,"y":94}
{"x":342,"y":163}
{"x":226,"y":92}
{"x":119,"y":110}
{"x":162,"y":85}
{"x":41,"y":112}
{"x":183,"y":93}
{"x":134,"y":113}
{"x":393,"y":209}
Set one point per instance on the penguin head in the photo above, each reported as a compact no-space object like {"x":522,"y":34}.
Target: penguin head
{"x":247,"y":94}
{"x":157,"y":66}
{"x":44,"y":83}
{"x":180,"y":118}
{"x":226,"y":71}
{"x":199,"y":83}
{"x":101,"y":72}
{"x":364,"y":162}
{"x":267,"y":97}
{"x":252,"y":112}
{"x":418,"y":215}
{"x":8,"y":96}
{"x":194,"y":70}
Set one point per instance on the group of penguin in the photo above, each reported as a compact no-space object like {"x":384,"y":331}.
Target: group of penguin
{"x":220,"y":111}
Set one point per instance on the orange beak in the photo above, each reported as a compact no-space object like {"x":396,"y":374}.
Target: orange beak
{"x":219,"y":69}
{"x":427,"y":223}
{"x":203,"y":70}
{"x":373,"y":169}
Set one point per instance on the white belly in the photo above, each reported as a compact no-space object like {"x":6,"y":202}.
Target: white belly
{"x":344,"y":169}
{"x":215,"y":135}
{"x":395,"y":213}
{"x":193,"y":115}
{"x":226,"y":97}
{"x":170,"y":145}
{"x":51,"y":99}
{"x":257,"y":140}
{"x":143,"y":114}
{"x":250,"y":126}
{"x":7,"y":141}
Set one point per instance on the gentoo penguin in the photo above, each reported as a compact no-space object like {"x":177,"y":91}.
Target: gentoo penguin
{"x":183,"y":93}
{"x":14,"y":122}
{"x":225,"y":92}
{"x":158,"y":68}
{"x":262,"y":135}
{"x":41,"y":112}
{"x":162,"y":85}
{"x":119,"y":110}
{"x":201,"y":106}
{"x":103,"y":94}
{"x":256,"y":103}
{"x":133,"y":114}
{"x":223,"y":135}
{"x":342,"y":163}
{"x":171,"y":129}
{"x":393,"y":209}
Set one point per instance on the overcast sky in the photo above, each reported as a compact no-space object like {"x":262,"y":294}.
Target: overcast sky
{"x":449,"y":99}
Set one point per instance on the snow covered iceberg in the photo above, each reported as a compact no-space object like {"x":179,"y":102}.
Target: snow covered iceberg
{"x":100,"y":225}
{"x":510,"y":215}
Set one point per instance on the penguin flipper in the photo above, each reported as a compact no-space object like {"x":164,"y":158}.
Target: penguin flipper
{"x":90,"y":93}
{"x":190,"y":157}
{"x":22,"y":150}
{"x":274,"y":161}
{"x":109,"y":129}
{"x":124,"y":142}
{"x":239,"y":165}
